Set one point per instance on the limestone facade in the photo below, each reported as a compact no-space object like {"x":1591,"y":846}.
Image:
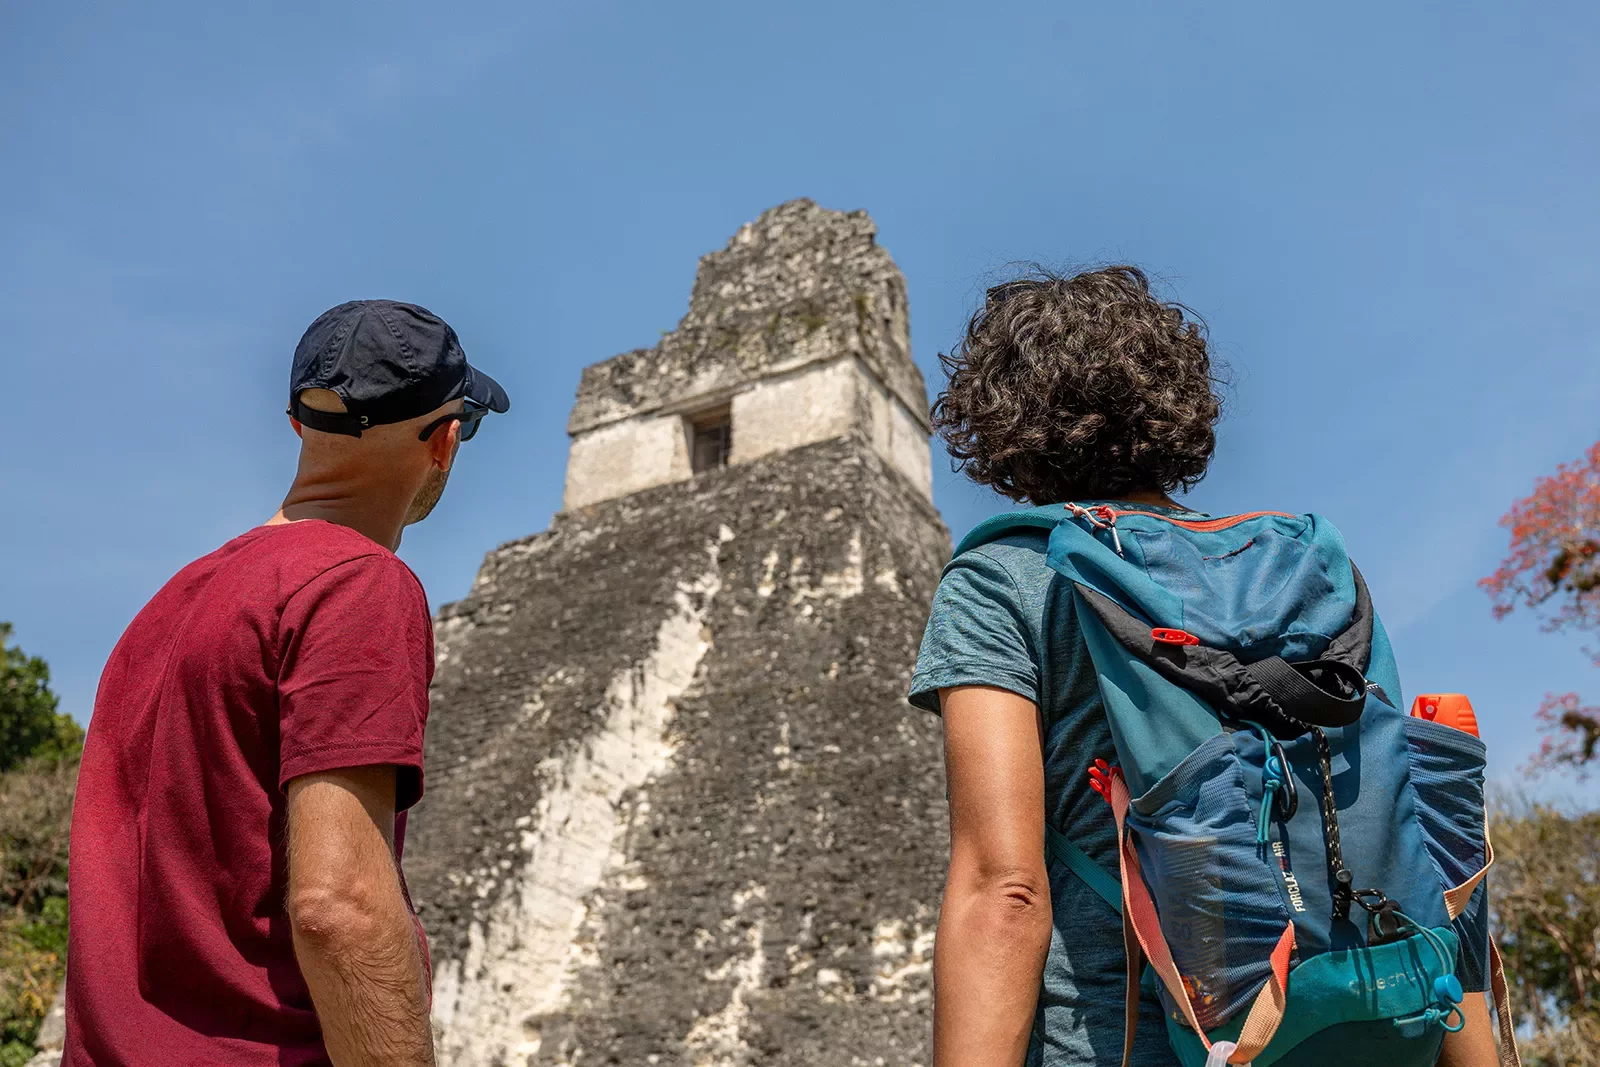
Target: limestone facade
{"x":678,"y":811}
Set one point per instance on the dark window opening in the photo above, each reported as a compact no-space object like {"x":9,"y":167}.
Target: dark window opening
{"x":711,"y":439}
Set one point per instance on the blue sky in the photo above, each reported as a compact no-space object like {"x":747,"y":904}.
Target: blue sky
{"x":1385,"y":212}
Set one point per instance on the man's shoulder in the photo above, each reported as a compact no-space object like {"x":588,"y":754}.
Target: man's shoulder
{"x":314,"y":537}
{"x":313,"y":550}
{"x":317,"y":542}
{"x":274,"y":562}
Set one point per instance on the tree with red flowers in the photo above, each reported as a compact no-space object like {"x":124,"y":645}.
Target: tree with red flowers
{"x":1545,"y":910}
{"x":1553,"y":567}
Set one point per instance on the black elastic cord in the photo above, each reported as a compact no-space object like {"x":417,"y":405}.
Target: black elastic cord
{"x":1343,"y":893}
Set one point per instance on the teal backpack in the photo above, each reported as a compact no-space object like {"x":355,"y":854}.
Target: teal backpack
{"x":1300,"y":860}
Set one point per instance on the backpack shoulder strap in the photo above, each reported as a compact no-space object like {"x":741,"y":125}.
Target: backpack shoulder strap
{"x":997,"y":526}
{"x":1060,"y":846}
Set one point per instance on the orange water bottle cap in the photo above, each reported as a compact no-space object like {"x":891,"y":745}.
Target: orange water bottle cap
{"x":1446,"y":709}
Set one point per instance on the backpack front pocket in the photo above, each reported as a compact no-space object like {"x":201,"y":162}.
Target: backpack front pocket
{"x":1218,"y":889}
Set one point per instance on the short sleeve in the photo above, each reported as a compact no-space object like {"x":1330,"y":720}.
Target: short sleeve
{"x":356,"y":646}
{"x":977,"y":634}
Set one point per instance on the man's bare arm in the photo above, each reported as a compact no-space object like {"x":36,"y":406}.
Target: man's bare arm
{"x":1474,"y":1045}
{"x":994,"y":928}
{"x":353,"y":934}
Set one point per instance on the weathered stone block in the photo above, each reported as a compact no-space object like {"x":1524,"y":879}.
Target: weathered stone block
{"x":800,"y":324}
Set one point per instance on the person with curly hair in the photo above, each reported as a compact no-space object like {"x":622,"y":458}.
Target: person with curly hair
{"x":1087,"y":389}
{"x":1081,"y":388}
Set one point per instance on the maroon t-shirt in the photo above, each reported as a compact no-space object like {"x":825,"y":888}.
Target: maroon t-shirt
{"x":292,"y":649}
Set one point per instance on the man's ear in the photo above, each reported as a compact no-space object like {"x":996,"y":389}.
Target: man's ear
{"x":443,"y":444}
{"x":299,"y":431}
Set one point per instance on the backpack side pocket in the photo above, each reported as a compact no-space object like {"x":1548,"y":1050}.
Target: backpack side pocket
{"x":1215,"y":885}
{"x":1447,"y":768}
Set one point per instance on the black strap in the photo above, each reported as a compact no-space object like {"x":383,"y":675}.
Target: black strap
{"x":1324,"y":692}
{"x":340,"y":422}
{"x":1106,"y":887}
{"x":1354,"y":645}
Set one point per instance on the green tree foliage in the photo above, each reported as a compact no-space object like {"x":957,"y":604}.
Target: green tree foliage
{"x":35,"y":820}
{"x":1546,"y":900}
{"x":30,"y":725}
{"x":39,"y":750}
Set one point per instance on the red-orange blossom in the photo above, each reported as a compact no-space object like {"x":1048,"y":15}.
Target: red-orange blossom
{"x":1553,"y":565}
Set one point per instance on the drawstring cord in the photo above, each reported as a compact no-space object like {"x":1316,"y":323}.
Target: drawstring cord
{"x":1447,"y":992}
{"x":1271,"y":782}
{"x":1274,"y":777}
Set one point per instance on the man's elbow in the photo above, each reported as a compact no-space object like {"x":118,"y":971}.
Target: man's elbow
{"x":331,"y":916}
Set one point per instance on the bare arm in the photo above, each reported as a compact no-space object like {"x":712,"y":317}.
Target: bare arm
{"x":1474,"y":1044}
{"x":994,"y":928}
{"x":353,"y":934}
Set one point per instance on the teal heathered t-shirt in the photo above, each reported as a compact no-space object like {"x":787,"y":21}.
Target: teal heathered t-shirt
{"x":1001,"y":617}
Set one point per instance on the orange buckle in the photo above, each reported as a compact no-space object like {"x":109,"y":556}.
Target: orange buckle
{"x":1173,"y":637}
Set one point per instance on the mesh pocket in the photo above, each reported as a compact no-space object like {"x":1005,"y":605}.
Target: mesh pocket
{"x":1215,"y":888}
{"x":1447,"y":775}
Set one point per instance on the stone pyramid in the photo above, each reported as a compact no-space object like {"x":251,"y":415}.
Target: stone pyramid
{"x":678,"y":811}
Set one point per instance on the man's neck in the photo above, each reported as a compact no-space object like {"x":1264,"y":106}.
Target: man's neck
{"x":376,"y":516}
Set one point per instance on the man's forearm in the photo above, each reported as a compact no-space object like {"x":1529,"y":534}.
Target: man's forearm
{"x":1474,"y":1044}
{"x":365,"y":972}
{"x":988,"y":957}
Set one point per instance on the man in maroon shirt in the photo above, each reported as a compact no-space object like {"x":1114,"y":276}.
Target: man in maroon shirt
{"x":236,"y":893}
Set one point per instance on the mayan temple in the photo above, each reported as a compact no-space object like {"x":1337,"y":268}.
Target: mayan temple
{"x":678,"y":811}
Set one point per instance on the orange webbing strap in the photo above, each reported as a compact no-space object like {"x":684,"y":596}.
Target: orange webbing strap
{"x":1267,"y":1011}
{"x":1130,"y":1004}
{"x":1509,"y":1056}
{"x":1139,"y":913}
{"x":1455,"y":902}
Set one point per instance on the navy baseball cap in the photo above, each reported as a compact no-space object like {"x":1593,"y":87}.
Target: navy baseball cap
{"x":388,"y":362}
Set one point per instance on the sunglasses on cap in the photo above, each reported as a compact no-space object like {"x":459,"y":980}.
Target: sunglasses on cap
{"x":469,"y":417}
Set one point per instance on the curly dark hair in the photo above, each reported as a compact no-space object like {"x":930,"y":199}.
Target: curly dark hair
{"x":1080,"y":388}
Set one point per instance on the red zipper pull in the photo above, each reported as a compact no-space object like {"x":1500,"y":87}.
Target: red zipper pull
{"x":1168,"y":636}
{"x":1101,"y":776}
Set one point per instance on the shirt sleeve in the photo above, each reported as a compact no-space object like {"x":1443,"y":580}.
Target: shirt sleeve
{"x":357,"y":657}
{"x":977,"y":634}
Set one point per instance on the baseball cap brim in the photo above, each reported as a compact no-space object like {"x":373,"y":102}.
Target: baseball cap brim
{"x":484,"y":390}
